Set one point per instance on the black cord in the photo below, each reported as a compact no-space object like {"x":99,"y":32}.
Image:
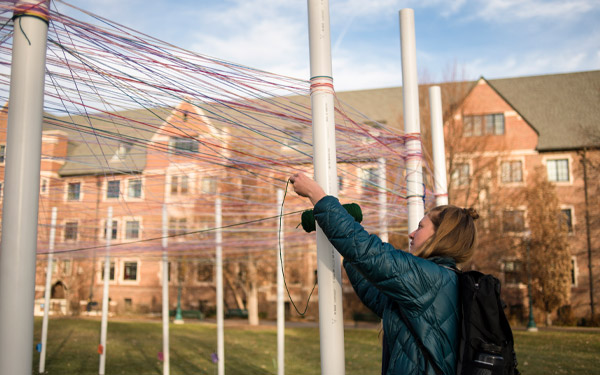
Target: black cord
{"x":281,"y":260}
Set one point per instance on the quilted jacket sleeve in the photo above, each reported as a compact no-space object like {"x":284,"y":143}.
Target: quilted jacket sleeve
{"x":411,"y":281}
{"x":367,"y":292}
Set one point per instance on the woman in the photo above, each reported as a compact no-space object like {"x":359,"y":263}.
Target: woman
{"x":421,"y":283}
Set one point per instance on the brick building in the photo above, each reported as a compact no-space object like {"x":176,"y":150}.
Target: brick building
{"x":498,"y":132}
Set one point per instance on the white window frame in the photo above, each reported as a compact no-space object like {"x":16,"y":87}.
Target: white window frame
{"x":574,"y":272}
{"x":103,"y":228}
{"x":555,"y":157}
{"x":572,"y":209}
{"x":138,"y":270}
{"x":67,"y":183}
{"x":47,"y":181}
{"x":124,"y":221}
{"x":105,"y":198}
{"x":510,"y":160}
{"x":128,"y":182}
{"x":101,"y":269}
{"x":77,"y":235}
{"x":212,"y":181}
{"x":456,"y":179}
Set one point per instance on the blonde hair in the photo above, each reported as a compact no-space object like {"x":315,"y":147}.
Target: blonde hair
{"x":455,"y":233}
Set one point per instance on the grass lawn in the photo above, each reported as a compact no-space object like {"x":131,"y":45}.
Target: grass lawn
{"x":133,"y":347}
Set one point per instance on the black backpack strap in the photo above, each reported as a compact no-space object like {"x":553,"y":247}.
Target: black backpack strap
{"x":424,"y":350}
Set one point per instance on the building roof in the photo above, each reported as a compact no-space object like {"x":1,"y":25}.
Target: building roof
{"x":100,"y":143}
{"x":563,"y":108}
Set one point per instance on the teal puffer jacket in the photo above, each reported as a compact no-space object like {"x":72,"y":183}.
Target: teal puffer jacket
{"x":385,"y":278}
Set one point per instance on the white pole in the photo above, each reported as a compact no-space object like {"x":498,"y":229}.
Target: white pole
{"x":219,"y":274}
{"x":104,"y":324}
{"x":410,"y":93}
{"x":165,"y":292}
{"x":437,"y":143}
{"x":382,"y":187}
{"x":22,"y":186}
{"x":280,"y":305}
{"x":331,"y":322}
{"x":47,"y":291}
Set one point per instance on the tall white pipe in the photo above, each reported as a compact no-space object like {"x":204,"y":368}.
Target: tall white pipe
{"x":22,"y":186}
{"x":331,"y":322}
{"x":219,"y":275}
{"x":280,"y":297}
{"x":42,"y":366}
{"x":410,"y":93}
{"x":437,"y":144}
{"x":104,"y":323}
{"x":165,"y":291}
{"x":382,"y":197}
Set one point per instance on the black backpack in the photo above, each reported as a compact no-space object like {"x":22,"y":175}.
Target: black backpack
{"x":486,"y":341}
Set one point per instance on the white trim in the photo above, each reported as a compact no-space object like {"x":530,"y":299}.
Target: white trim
{"x":105,"y":189}
{"x":575,"y":272}
{"x":124,"y":221}
{"x":66,"y":192}
{"x":100,"y":279}
{"x":523,"y":181}
{"x":573,"y":220}
{"x":64,"y":230}
{"x":561,"y":156}
{"x":103,"y":228}
{"x":138,"y":273}
{"x":127,"y":181}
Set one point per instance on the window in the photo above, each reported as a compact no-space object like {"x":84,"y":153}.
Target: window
{"x":513,"y":221}
{"x":209,"y":185}
{"x":71,"y":231}
{"x":573,"y":271}
{"x":73,"y":191}
{"x":2,"y":153}
{"x":43,"y":186}
{"x":67,"y":267}
{"x":340,"y":183}
{"x":111,"y":274}
{"x":512,"y":271}
{"x":128,"y":302}
{"x":132,"y":229}
{"x":130,"y":271}
{"x":114,"y":230}
{"x":204,"y":272}
{"x":460,"y":175}
{"x":1,"y":186}
{"x":369,"y":177}
{"x":566,"y":219}
{"x":177,"y":226}
{"x":113,"y":189}
{"x":512,"y":171}
{"x":558,"y":170}
{"x":477,"y":125}
{"x":124,"y":148}
{"x":134,"y":188}
{"x":183,"y":144}
{"x":179,"y":184}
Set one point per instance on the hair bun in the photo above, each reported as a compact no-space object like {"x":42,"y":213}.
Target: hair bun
{"x":471,"y":212}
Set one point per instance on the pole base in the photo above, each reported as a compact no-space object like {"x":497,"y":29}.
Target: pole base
{"x":180,"y":321}
{"x":532,"y":329}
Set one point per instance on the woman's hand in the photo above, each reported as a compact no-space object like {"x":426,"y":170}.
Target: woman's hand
{"x":307,"y":187}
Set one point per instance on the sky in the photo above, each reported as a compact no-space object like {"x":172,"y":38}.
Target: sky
{"x":455,"y":39}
